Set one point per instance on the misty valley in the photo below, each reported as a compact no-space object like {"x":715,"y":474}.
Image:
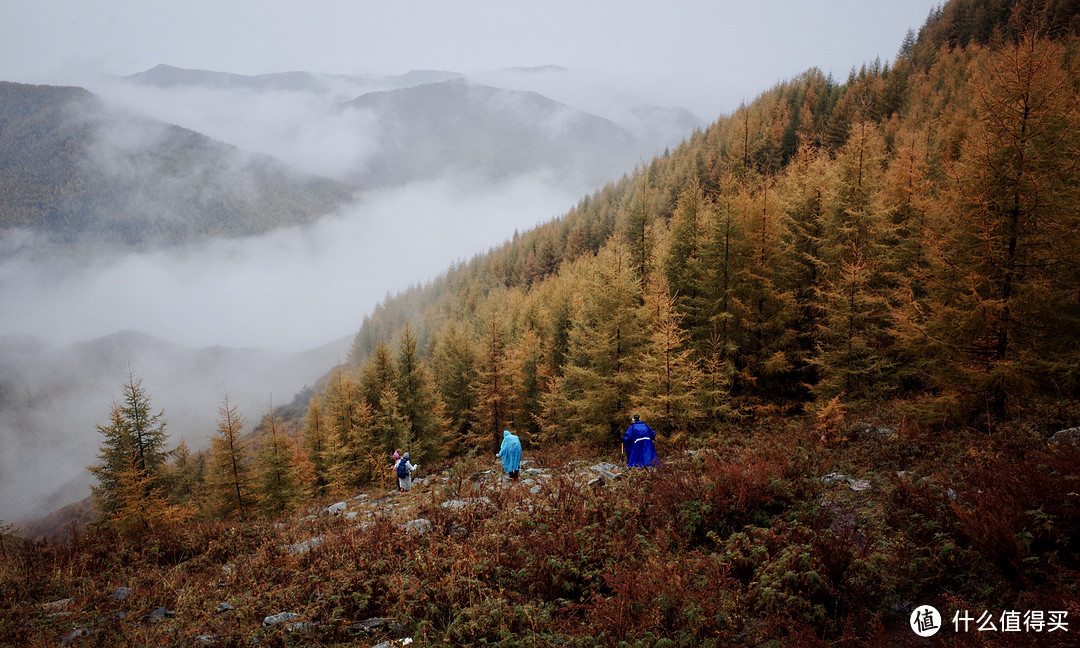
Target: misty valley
{"x":506,"y":359}
{"x":178,"y":221}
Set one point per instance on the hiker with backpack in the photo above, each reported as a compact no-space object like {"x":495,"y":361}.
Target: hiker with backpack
{"x":510,"y":453}
{"x":404,"y":469}
{"x":638,"y":444}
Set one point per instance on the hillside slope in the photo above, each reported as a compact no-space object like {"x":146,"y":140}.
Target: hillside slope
{"x":74,"y":170}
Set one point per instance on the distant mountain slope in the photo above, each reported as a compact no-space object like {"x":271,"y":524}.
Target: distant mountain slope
{"x":168,"y":76}
{"x":72,"y":169}
{"x":489,"y":132}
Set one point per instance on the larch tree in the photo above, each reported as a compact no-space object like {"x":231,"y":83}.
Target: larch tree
{"x":419,"y":402}
{"x":313,"y":457}
{"x":132,"y":458}
{"x":456,"y":371}
{"x":854,"y":334}
{"x":1004,"y":310}
{"x":276,"y":475}
{"x":668,"y":374}
{"x":230,"y":471}
{"x":598,"y":381}
{"x":350,"y":425}
{"x":494,"y":385}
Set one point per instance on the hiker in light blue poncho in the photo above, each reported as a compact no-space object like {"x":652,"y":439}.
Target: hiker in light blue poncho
{"x":510,"y":453}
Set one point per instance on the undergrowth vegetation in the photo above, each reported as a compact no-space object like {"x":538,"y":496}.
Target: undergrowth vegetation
{"x":768,"y":536}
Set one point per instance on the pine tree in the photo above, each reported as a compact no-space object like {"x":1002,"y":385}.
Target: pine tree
{"x":230,"y":472}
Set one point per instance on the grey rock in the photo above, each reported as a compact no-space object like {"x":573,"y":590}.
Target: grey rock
{"x":418,"y":526}
{"x":379,"y":624}
{"x":74,"y":636}
{"x":302,"y":548}
{"x":158,"y":615}
{"x":860,"y":485}
{"x":207,"y":639}
{"x":60,"y":605}
{"x":298,"y":626}
{"x":836,"y":478}
{"x":1070,"y":435}
{"x":280,"y":617}
{"x":608,"y":471}
{"x":120,"y":594}
{"x":224,"y":607}
{"x":337,"y":509}
{"x":458,"y":504}
{"x":352,"y":515}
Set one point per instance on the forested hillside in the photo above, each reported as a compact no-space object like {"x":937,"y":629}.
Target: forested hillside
{"x":850,"y":311}
{"x":73,"y":169}
{"x":903,"y":237}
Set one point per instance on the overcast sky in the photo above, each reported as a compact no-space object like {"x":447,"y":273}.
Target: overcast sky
{"x":700,"y":54}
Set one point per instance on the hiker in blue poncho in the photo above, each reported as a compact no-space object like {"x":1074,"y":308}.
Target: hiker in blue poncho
{"x":638,"y":444}
{"x":510,"y":453}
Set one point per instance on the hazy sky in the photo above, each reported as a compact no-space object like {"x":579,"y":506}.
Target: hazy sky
{"x":702,"y":55}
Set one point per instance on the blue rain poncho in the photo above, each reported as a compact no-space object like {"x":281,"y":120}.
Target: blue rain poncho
{"x":510,"y":452}
{"x":638,"y":445}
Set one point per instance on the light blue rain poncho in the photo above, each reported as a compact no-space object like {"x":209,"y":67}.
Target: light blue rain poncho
{"x":510,"y":452}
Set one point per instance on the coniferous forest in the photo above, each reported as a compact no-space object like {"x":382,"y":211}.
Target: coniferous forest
{"x":851,"y":311}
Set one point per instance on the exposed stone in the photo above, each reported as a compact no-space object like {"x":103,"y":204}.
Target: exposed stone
{"x":1070,"y":435}
{"x":860,"y":485}
{"x":378,"y":624}
{"x":58,"y":606}
{"x":71,"y":638}
{"x":120,"y":594}
{"x":207,"y":639}
{"x":836,"y":478}
{"x":224,"y":607}
{"x":418,"y":526}
{"x":458,"y":504}
{"x":608,"y":471}
{"x":302,"y":548}
{"x":158,"y":615}
{"x":337,"y":509}
{"x":280,"y":617}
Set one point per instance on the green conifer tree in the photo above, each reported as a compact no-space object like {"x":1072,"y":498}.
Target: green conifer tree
{"x":276,"y":475}
{"x":132,"y":457}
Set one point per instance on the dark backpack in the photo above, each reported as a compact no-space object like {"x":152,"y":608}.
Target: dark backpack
{"x":403,"y":469}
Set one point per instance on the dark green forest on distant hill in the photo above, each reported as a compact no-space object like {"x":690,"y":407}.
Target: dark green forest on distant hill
{"x":69,"y":173}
